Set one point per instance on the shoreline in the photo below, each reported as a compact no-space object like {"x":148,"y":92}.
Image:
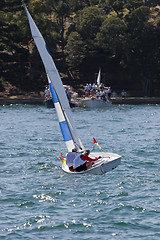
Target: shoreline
{"x":136,"y":100}
{"x":40,"y":101}
{"x":30,"y":101}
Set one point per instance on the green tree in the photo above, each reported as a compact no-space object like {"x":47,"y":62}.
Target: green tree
{"x":45,"y":21}
{"x":89,"y":21}
{"x":74,"y":50}
{"x":132,"y":40}
{"x":12,"y":54}
{"x":76,"y":5}
{"x":49,"y":28}
{"x":132,"y":5}
{"x":61,"y":11}
{"x":112,"y":36}
{"x":140,"y":53}
{"x":116,"y":5}
{"x":83,"y":30}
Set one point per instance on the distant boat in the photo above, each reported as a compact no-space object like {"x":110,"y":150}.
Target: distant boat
{"x":109,"y":161}
{"x":49,"y":103}
{"x":93,"y":102}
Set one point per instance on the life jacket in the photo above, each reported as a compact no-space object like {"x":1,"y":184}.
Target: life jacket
{"x":78,"y":161}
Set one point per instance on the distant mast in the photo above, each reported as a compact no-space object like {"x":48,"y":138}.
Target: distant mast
{"x":99,"y":77}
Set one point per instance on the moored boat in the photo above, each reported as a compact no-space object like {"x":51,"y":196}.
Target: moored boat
{"x":94,"y":103}
{"x":49,"y":103}
{"x":96,"y":95}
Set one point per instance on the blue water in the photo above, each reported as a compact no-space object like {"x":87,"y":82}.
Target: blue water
{"x":39,"y":201}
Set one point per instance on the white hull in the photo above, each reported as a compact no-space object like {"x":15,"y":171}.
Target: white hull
{"x":108,"y":162}
{"x":94,"y":103}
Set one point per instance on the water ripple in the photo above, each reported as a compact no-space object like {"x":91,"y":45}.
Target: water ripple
{"x":39,"y":201}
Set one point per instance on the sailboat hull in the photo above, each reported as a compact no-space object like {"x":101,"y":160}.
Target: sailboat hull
{"x":49,"y":103}
{"x":94,"y":103}
{"x":108,"y":162}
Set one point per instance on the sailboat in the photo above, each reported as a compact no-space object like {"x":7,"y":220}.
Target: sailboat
{"x":93,"y":102}
{"x":109,"y":161}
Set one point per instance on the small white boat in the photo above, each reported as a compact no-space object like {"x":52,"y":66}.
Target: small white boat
{"x":94,"y":103}
{"x":109,"y":161}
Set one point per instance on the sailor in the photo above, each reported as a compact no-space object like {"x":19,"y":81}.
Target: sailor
{"x":47,"y":92}
{"x":114,"y":94}
{"x":109,"y":92}
{"x":70,"y":157}
{"x":91,"y":93}
{"x":94,"y":87}
{"x":102,"y":94}
{"x":86,"y":88}
{"x":123,"y":93}
{"x":90,"y":88}
{"x":82,"y":162}
{"x":68,"y":93}
{"x":101,"y":86}
{"x":98,"y":94}
{"x":106,"y":95}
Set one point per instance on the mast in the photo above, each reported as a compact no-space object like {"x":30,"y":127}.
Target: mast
{"x":99,"y":78}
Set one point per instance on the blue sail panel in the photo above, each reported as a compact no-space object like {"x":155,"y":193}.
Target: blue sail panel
{"x":65,"y":131}
{"x":54,"y":96}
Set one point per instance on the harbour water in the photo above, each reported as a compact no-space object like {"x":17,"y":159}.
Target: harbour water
{"x":39,"y":201}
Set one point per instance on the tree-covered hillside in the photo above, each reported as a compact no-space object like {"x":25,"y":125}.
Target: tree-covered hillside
{"x":120,"y":36}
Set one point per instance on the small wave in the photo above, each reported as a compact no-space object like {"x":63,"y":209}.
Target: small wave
{"x":44,"y":197}
{"x":26,"y":204}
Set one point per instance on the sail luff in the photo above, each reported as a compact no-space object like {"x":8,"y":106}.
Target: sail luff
{"x":54,"y":77}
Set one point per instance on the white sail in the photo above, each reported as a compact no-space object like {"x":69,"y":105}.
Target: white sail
{"x":58,"y":92}
{"x":99,"y":78}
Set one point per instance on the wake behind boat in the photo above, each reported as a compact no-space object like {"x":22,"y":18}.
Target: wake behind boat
{"x":108,"y":161}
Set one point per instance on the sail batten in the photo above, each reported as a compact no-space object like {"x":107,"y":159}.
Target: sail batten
{"x":58,"y":93}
